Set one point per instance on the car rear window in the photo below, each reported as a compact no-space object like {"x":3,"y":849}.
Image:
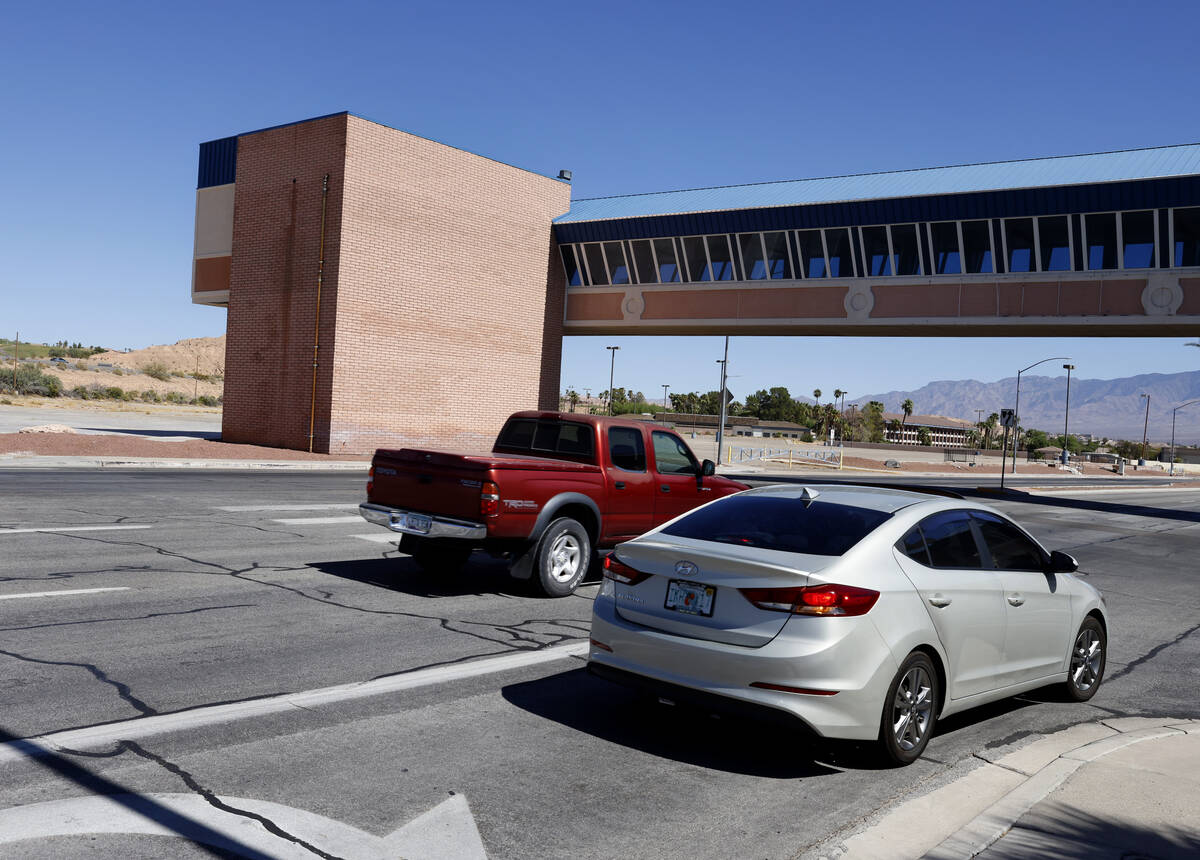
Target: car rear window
{"x":771,"y":522}
{"x":531,"y":436}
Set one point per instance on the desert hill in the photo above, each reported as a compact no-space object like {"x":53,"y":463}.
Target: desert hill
{"x":205,"y":355}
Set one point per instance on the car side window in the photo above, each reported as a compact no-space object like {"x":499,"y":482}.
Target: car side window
{"x":951,"y":541}
{"x":672,"y":457}
{"x":626,"y":449}
{"x":913,"y":546}
{"x":1010,"y":548}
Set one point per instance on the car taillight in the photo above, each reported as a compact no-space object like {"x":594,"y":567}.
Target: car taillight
{"x":370,"y":480}
{"x":828,"y":599}
{"x":619,"y":571}
{"x":489,"y":499}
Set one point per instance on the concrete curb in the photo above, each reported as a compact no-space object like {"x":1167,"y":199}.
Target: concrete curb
{"x":976,"y":809}
{"x":36,"y":462}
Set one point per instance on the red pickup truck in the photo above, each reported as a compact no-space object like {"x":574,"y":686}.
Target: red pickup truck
{"x":555,"y":486}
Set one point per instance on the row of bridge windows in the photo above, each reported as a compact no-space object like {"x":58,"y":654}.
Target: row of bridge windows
{"x":1054,"y":243}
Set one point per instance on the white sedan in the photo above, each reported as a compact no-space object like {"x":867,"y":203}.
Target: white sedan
{"x":864,"y":613}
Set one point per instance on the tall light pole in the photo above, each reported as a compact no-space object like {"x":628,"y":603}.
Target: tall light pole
{"x":1173,"y":411}
{"x":612,"y":366}
{"x":1067,"y":413}
{"x":1145,"y":428}
{"x":1017,"y":408}
{"x":665,"y":387}
{"x":724,"y":362}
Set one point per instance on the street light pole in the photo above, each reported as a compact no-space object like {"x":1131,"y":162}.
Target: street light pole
{"x":1017,"y":409}
{"x":612,"y":366}
{"x":1173,"y":411}
{"x":1145,"y":428}
{"x":1067,"y":412}
{"x":724,"y":362}
{"x":665,"y":387}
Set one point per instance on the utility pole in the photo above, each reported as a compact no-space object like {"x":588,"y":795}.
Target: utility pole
{"x":1145,"y":428}
{"x":1067,"y":413}
{"x":724,"y":362}
{"x":665,"y":387}
{"x":611,"y":369}
{"x":16,"y":351}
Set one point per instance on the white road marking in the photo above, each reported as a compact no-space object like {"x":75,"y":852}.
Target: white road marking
{"x":4,"y":531}
{"x":318,"y":521}
{"x":239,"y":508}
{"x":100,"y":736}
{"x":61,"y":593}
{"x":380,"y":537}
{"x":447,"y":831}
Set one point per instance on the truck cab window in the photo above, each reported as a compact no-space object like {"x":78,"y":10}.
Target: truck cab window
{"x":626,"y":450}
{"x":672,"y":457}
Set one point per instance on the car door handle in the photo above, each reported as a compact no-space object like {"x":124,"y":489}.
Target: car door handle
{"x":1015,"y":600}
{"x":940,"y":600}
{"x":620,"y":485}
{"x":666,"y":488}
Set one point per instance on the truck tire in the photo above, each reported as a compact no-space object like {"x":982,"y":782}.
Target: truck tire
{"x":436,"y":556}
{"x":564,"y":555}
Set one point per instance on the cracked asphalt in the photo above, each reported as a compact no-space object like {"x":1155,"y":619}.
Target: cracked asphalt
{"x":222,"y":606}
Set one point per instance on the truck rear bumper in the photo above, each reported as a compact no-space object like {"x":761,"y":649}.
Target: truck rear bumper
{"x":422,"y":525}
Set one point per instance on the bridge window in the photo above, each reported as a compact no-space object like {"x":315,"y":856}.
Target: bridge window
{"x":906,"y":259}
{"x":1054,"y":235}
{"x":779,"y":261}
{"x":841,"y":253}
{"x":643,"y":261}
{"x":1100,"y":234}
{"x":946,"y":257}
{"x":977,"y":247}
{"x":697,"y":258}
{"x":618,"y":269}
{"x":812,"y":253}
{"x":571,"y":265}
{"x":1185,"y":228}
{"x":876,"y":253}
{"x":593,"y":258}
{"x":721,"y":258}
{"x":668,"y":261}
{"x":753,"y":258}
{"x":1137,"y":240}
{"x":1019,"y":245}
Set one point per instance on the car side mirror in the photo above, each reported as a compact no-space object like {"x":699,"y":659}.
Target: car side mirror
{"x":708,"y":468}
{"x":1061,"y":562}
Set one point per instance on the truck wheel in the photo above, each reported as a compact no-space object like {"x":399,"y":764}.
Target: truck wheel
{"x":563,"y":557}
{"x":436,"y":556}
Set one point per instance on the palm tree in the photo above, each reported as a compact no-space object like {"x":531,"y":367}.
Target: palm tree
{"x":837,"y":392}
{"x":907,"y":408}
{"x":817,"y":395}
{"x":573,"y":398}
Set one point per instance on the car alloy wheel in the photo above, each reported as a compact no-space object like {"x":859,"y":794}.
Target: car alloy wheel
{"x":909,"y":711}
{"x":1087,"y":661}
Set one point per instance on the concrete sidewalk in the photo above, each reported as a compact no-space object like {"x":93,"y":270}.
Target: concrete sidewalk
{"x":1117,"y":788}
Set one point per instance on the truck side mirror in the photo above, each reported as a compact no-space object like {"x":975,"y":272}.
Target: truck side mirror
{"x":708,"y":468}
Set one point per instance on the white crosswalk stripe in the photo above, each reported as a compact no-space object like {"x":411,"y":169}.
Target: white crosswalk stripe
{"x":61,"y":593}
{"x":4,"y":531}
{"x":318,"y":521}
{"x":235,"y":509}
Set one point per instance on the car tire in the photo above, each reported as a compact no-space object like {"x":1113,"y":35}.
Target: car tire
{"x":564,"y":555}
{"x":909,"y":711}
{"x":1089,"y":654}
{"x":436,"y":556}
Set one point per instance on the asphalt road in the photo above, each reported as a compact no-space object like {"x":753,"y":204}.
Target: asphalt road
{"x":129,"y":596}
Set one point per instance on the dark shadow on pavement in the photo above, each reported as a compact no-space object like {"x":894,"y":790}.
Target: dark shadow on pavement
{"x":481,"y":575}
{"x":211,"y":841}
{"x":679,"y":733}
{"x":1061,"y":831}
{"x":214,"y":435}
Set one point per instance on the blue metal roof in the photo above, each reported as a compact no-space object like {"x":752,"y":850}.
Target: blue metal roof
{"x":1070,"y":170}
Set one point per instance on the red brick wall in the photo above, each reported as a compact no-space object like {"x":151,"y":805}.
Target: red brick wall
{"x":450,"y":294}
{"x":273,"y":284}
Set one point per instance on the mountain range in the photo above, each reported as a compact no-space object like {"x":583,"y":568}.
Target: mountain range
{"x":1111,"y":408}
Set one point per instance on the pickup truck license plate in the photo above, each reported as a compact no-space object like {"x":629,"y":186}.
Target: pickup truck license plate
{"x":414,"y":522}
{"x":691,"y":598}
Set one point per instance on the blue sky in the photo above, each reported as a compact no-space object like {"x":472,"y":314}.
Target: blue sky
{"x":105,"y":106}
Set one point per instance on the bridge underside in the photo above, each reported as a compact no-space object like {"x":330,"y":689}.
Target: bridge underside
{"x":1164,"y":303}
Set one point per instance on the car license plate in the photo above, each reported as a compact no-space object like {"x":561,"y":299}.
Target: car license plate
{"x":691,"y":598}
{"x":414,"y":523}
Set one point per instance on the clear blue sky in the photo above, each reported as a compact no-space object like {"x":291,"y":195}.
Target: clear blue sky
{"x":105,"y":104}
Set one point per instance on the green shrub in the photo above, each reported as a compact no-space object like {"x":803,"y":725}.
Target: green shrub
{"x":206,"y":400}
{"x":151,"y":396}
{"x":112,"y":392}
{"x":157,"y":370}
{"x":29,"y":379}
{"x":82,"y":365}
{"x":118,"y":372}
{"x":175,"y":397}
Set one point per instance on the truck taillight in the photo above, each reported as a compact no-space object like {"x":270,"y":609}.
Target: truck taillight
{"x":489,"y":499}
{"x":370,"y":480}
